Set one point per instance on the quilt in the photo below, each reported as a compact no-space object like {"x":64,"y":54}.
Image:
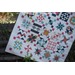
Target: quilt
{"x":45,"y":36}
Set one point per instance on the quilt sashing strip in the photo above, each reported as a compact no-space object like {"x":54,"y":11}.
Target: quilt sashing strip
{"x":45,"y":36}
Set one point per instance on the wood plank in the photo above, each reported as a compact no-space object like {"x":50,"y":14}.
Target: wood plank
{"x":3,"y":43}
{"x":2,"y":50}
{"x":9,"y":58}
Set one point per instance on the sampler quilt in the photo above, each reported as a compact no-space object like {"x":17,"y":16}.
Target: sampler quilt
{"x":45,"y":36}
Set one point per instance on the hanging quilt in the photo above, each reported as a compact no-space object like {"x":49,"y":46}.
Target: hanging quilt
{"x":45,"y":36}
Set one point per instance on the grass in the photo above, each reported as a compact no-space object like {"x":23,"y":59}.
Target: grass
{"x":28,"y":59}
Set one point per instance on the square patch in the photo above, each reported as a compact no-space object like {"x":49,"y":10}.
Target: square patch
{"x":51,"y":45}
{"x":64,"y":16}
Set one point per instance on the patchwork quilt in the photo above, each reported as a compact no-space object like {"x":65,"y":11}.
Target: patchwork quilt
{"x":45,"y":36}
